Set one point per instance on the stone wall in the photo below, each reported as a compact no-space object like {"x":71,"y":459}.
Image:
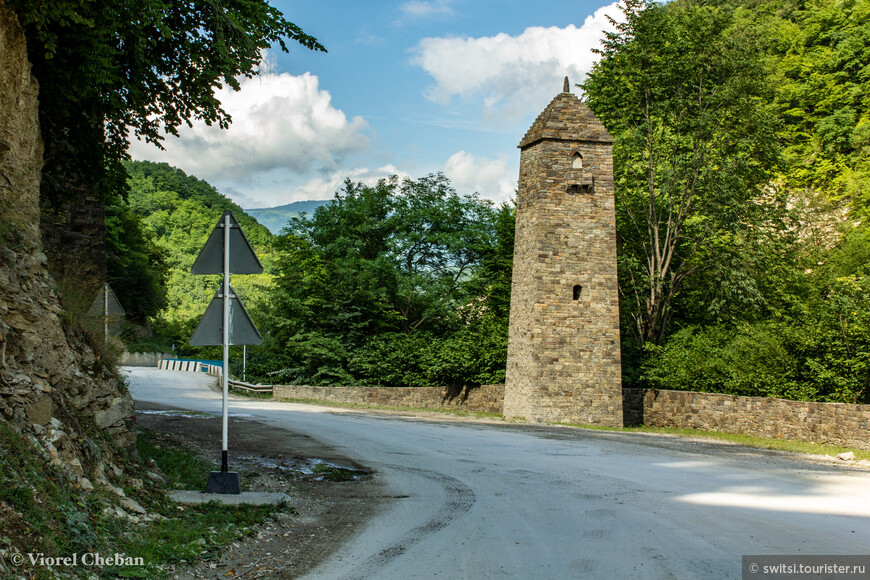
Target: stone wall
{"x":487,"y":398}
{"x":142,"y":359}
{"x":833,"y":423}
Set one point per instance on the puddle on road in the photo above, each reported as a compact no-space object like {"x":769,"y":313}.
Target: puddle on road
{"x":190,"y":414}
{"x":322,"y":470}
{"x":310,"y":468}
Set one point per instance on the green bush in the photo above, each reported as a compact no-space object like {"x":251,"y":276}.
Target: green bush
{"x":835,"y":343}
{"x":750,"y":360}
{"x":821,"y":355}
{"x":394,"y":360}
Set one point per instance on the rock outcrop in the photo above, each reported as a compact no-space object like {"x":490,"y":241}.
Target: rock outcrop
{"x":56,"y":385}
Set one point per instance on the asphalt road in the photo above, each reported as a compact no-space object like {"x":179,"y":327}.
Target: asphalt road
{"x":479,"y":500}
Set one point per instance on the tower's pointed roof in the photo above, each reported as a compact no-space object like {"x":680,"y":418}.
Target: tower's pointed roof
{"x":566,"y":118}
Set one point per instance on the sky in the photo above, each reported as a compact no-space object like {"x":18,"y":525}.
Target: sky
{"x":406,"y":87}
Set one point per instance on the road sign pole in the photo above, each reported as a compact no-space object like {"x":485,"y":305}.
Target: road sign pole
{"x":226,"y":369}
{"x":226,"y":322}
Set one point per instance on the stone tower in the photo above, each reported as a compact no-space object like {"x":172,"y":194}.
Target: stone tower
{"x":563,"y":350}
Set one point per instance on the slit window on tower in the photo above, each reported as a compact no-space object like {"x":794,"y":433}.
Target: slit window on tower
{"x":577,"y":289}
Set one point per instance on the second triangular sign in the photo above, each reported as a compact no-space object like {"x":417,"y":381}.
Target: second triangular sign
{"x":210,"y":329}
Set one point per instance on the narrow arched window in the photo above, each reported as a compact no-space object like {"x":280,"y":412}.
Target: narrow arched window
{"x":577,"y":162}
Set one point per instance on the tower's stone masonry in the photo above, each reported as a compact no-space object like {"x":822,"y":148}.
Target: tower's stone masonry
{"x":563,"y":350}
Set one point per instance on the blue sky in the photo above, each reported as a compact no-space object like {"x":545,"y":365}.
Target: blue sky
{"x":406,"y":87}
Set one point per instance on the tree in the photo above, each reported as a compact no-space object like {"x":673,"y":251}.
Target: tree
{"x":111,"y":68}
{"x":386,"y":284}
{"x":135,"y":265}
{"x":683,"y":91}
{"x":403,"y":249}
{"x":821,"y":50}
{"x":492,"y":280}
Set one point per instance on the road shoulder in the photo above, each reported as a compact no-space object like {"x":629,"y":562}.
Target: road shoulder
{"x":325,"y":513}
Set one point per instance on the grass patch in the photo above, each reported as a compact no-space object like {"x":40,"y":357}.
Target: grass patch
{"x":336,"y":474}
{"x":197,"y":532}
{"x":42,"y":510}
{"x":447,"y":411}
{"x":794,"y":446}
{"x":249,"y":394}
{"x":183,"y":469}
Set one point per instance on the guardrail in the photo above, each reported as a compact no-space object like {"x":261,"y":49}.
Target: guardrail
{"x":249,"y":387}
{"x":213,"y":370}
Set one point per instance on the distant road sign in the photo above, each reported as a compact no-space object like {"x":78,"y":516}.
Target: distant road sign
{"x":243,"y":260}
{"x":106,"y":304}
{"x":210,"y":329}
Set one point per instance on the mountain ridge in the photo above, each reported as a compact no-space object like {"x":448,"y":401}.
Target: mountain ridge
{"x":275,"y":218}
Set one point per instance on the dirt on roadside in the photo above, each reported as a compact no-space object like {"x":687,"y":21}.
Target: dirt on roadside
{"x":325,"y":513}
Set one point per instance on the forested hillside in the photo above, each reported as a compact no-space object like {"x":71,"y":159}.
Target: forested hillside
{"x":176,"y":213}
{"x":276,"y":218}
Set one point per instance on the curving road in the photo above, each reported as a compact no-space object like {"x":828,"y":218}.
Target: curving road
{"x":483,"y":500}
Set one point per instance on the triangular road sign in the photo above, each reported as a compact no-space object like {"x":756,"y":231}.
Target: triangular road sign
{"x":210,"y":330}
{"x":243,"y":260}
{"x":98,"y":308}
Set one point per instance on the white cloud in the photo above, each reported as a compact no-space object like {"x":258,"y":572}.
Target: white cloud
{"x":324,"y":187}
{"x":495,"y":179}
{"x":422,"y":8}
{"x":512,"y":75}
{"x":281,"y":123}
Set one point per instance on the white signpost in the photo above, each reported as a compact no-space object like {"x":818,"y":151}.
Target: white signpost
{"x":226,"y":321}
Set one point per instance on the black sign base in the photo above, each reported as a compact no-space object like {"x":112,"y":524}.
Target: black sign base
{"x":226,"y":482}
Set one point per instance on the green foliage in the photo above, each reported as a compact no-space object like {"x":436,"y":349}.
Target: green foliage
{"x":836,"y":344}
{"x":822,"y":353}
{"x":750,"y":360}
{"x":683,"y":90}
{"x":820,"y":50}
{"x":398,"y":284}
{"x":135,"y":265}
{"x":477,"y":355}
{"x":395,"y":359}
{"x":113,"y":68}
{"x":178,"y":212}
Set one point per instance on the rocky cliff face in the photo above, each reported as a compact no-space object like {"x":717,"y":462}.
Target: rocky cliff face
{"x":55,"y":384}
